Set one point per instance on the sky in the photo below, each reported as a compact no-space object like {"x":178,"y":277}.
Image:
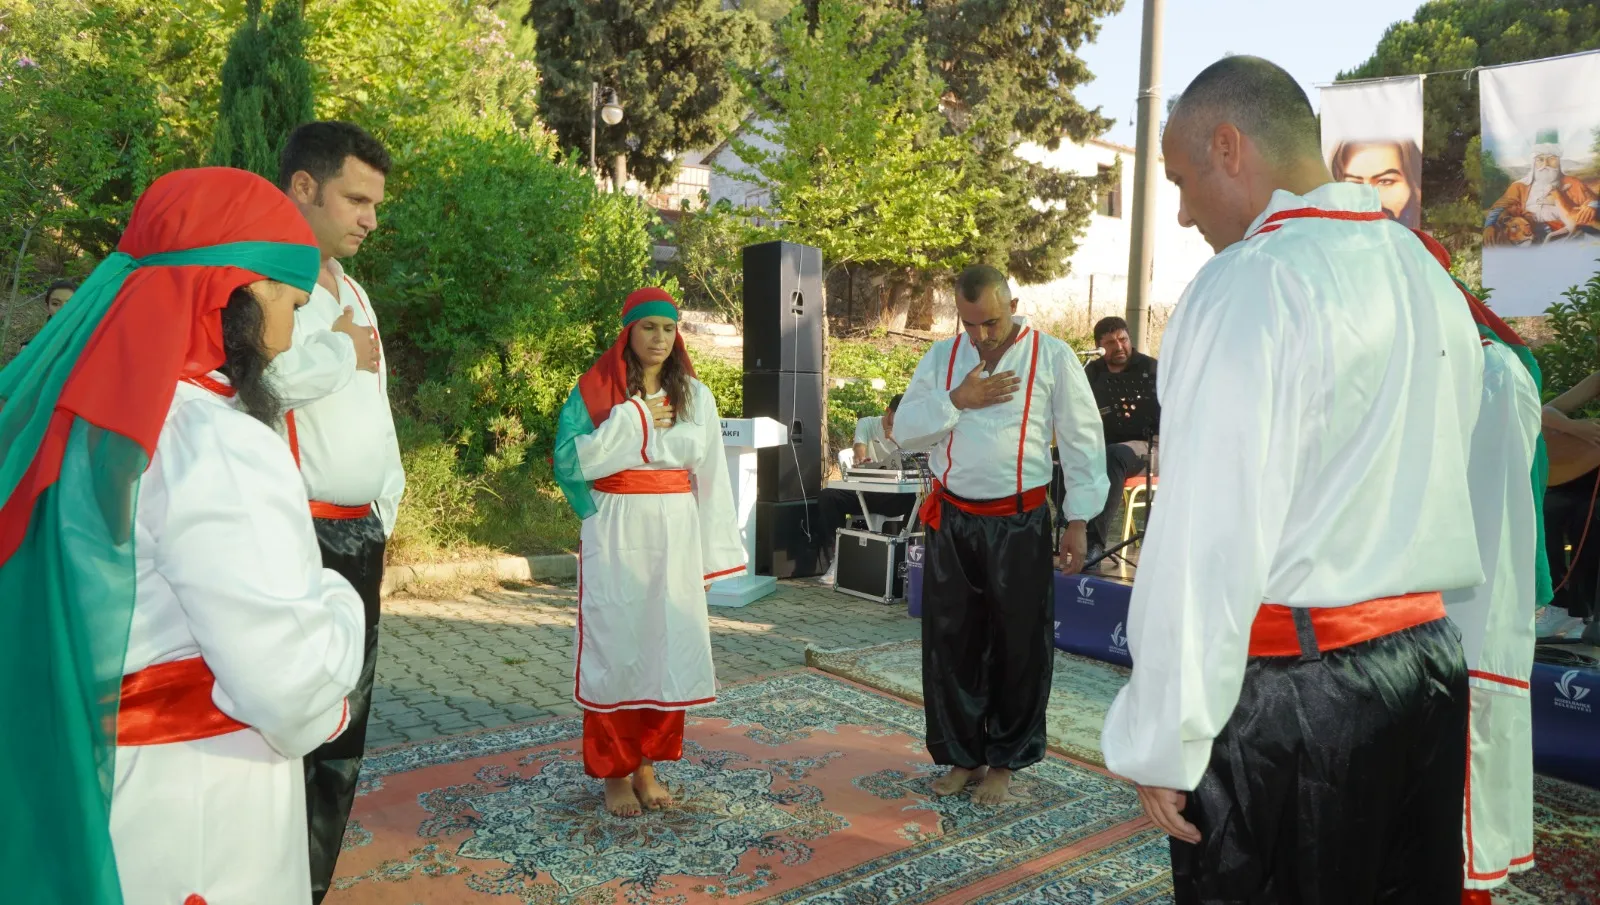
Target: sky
{"x":1300,"y":35}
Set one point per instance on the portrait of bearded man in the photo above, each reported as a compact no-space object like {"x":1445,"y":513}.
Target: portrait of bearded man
{"x":1546,"y":204}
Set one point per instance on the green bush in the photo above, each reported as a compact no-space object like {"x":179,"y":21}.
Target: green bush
{"x":1574,"y":352}
{"x":499,"y":273}
{"x":725,"y":380}
{"x":865,"y":360}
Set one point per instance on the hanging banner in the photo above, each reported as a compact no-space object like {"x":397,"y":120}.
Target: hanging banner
{"x":1541,"y":180}
{"x":1372,"y":135}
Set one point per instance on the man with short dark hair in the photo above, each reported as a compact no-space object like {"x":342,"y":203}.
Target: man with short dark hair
{"x":874,"y":444}
{"x":334,"y":382}
{"x":987,"y":402}
{"x":1124,"y":385}
{"x":1297,"y":715}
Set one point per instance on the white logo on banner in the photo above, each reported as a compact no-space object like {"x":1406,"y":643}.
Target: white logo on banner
{"x":1572,"y":694}
{"x":915,"y":553}
{"x":1085,"y":592}
{"x":1119,"y":640}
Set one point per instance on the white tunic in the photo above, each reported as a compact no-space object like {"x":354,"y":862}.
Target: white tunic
{"x":1496,"y":621}
{"x":1003,"y":450}
{"x":228,"y":570}
{"x":349,"y":454}
{"x":644,"y":636}
{"x":1318,"y":389}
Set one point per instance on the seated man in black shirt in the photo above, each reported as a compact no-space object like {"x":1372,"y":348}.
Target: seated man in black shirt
{"x":1124,"y":385}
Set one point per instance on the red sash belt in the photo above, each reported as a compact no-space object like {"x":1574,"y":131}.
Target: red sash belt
{"x":1027,"y":501}
{"x":646,"y":480}
{"x":1279,"y":632}
{"x":343,"y":513}
{"x":171,"y":702}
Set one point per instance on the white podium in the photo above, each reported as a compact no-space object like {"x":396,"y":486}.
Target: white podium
{"x":741,"y":437}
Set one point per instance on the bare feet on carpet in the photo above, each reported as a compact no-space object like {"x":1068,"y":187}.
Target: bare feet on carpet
{"x":652,"y":794}
{"x":956,"y":780}
{"x":994,"y":789}
{"x":620,"y":799}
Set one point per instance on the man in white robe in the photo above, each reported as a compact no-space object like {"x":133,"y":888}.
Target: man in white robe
{"x":1297,"y":715}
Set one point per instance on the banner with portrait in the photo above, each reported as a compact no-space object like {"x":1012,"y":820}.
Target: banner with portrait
{"x":1541,"y":180}
{"x":1372,"y":135}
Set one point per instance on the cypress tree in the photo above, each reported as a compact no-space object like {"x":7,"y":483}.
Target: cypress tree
{"x":266,"y":89}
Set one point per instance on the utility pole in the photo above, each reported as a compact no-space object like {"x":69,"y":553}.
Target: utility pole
{"x":1141,"y":254}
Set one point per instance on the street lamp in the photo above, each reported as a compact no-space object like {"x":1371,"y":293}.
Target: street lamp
{"x":610,"y":111}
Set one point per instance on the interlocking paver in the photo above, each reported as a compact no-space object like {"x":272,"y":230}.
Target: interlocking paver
{"x":448,"y":666}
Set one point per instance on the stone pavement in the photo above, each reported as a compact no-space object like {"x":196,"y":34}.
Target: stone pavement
{"x":506,"y":656}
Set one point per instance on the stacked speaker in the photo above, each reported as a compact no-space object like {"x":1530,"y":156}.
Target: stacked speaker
{"x":784,"y":326}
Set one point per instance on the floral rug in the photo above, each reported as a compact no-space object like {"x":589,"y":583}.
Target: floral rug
{"x":1566,"y":816}
{"x":801,"y":788}
{"x":1080,"y":693}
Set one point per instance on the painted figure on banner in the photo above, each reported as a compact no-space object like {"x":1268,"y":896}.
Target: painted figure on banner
{"x":1548,"y":204}
{"x":639,"y":456}
{"x":1394,"y":168}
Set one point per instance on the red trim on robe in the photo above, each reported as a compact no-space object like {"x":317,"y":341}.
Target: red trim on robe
{"x":1503,"y":680}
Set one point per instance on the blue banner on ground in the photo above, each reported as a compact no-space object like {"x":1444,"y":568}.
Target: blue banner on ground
{"x":1092,"y":617}
{"x":1566,"y":722}
{"x":914,"y":552}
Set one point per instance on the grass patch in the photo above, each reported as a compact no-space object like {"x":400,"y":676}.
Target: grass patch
{"x":513,"y":661}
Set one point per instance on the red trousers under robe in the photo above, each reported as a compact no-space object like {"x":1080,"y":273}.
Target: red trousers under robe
{"x":614,"y":744}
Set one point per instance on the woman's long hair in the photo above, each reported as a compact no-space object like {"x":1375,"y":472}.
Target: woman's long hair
{"x":674,"y":379}
{"x":246,"y":360}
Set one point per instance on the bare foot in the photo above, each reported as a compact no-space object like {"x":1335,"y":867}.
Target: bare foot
{"x":956,"y":780}
{"x":652,"y":794}
{"x":620,"y":800}
{"x":994,"y":789}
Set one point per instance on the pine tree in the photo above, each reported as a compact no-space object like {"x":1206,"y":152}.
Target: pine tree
{"x":266,"y":89}
{"x":669,"y":63}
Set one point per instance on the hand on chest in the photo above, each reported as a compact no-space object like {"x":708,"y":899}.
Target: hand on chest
{"x":1001,"y":392}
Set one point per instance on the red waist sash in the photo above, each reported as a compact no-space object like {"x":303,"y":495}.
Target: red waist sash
{"x":171,"y":702}
{"x":1017,"y":503}
{"x":646,"y":480}
{"x":1277,"y":631}
{"x":335,"y":511}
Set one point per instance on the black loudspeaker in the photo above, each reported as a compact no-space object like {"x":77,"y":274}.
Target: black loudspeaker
{"x":792,"y":471}
{"x":784,"y":317}
{"x":789,"y":539}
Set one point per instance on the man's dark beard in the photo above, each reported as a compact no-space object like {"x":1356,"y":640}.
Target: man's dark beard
{"x":246,"y":360}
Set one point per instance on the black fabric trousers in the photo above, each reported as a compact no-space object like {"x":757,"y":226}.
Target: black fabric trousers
{"x":987,"y":638}
{"x":1566,"y":509}
{"x":1122,"y":463}
{"x":1337,"y":781}
{"x":835,"y":506}
{"x":354,"y":549}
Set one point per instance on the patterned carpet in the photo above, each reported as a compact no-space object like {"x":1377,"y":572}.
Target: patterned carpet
{"x":802,"y":788}
{"x":1080,"y":692}
{"x":1566,"y":816}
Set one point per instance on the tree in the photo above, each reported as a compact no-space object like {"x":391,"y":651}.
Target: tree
{"x":669,"y":63}
{"x":266,"y":89}
{"x":81,"y":135}
{"x":851,"y":150}
{"x":1009,"y":69}
{"x":1459,"y":35}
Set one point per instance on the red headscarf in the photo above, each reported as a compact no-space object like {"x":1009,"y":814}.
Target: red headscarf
{"x":605,"y":384}
{"x":164,"y":322}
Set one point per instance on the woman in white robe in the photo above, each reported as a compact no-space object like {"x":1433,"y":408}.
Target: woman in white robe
{"x":196,"y":648}
{"x":639,"y":454}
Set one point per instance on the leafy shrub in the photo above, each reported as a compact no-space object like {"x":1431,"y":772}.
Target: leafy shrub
{"x":725,"y":380}
{"x":1574,"y":352}
{"x":499,"y":273}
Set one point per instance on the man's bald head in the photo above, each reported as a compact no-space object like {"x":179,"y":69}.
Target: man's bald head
{"x":1242,"y":130}
{"x":1258,"y":98}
